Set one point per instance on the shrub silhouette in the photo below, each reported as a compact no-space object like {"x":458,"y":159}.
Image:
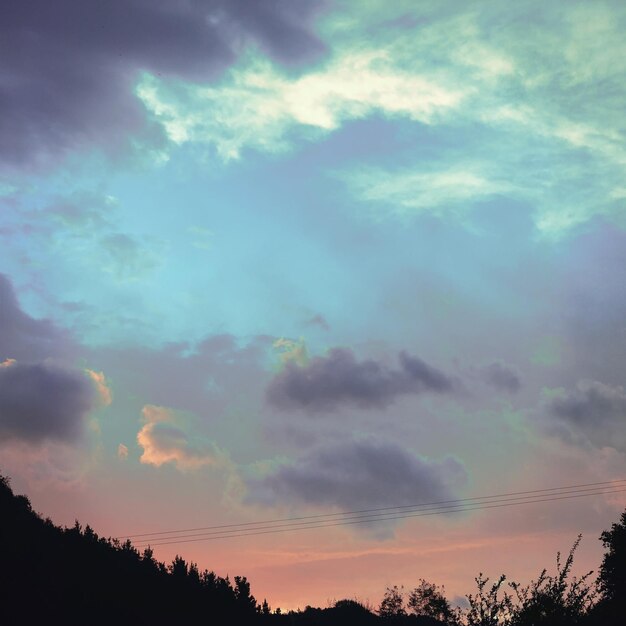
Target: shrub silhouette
{"x":490,"y":606}
{"x":553,"y":600}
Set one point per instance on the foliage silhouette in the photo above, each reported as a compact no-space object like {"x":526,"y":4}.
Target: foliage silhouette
{"x":552,"y":600}
{"x":488,"y":607}
{"x":429,"y":600}
{"x":392,"y":604}
{"x":72,"y":576}
{"x":611,"y":608}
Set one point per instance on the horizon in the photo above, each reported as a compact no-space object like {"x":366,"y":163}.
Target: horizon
{"x":141,"y":542}
{"x":311,"y":257}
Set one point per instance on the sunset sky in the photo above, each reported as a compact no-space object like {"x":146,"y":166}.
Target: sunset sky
{"x":264,"y":259}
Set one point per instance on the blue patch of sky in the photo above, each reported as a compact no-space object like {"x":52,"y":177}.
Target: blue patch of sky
{"x":261,"y":244}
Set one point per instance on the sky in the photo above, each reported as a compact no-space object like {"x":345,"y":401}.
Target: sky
{"x":272,"y":259}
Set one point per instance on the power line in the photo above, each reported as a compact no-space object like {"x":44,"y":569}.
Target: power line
{"x":449,"y":508}
{"x":385,"y":513}
{"x":364,"y":521}
{"x":387,"y":508}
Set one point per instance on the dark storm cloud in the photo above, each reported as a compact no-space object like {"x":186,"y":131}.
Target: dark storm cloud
{"x":43,"y":402}
{"x":502,"y":377}
{"x":338,"y":379}
{"x":357,"y":475}
{"x":594,"y":410}
{"x":69,"y":66}
{"x":22,"y":337}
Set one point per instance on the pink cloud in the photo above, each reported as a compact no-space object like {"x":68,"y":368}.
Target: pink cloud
{"x":164,"y":439}
{"x":104,"y":391}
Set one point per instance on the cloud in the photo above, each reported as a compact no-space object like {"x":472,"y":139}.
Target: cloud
{"x":106,"y":397}
{"x":518,"y":86}
{"x":202,"y":238}
{"x":595,"y":411}
{"x":122,"y":452}
{"x":83,"y":229}
{"x":81,"y":213}
{"x":209,"y":377}
{"x":50,"y":467}
{"x":592,"y":294}
{"x":24,"y":338}
{"x":43,"y":402}
{"x":127,"y":258}
{"x":291,"y":350}
{"x":410,"y":192}
{"x":501,"y":377}
{"x":359,"y":474}
{"x":338,"y":379}
{"x":164,"y":440}
{"x":318,"y":320}
{"x":69,"y":68}
{"x":259,"y":107}
{"x":42,"y":397}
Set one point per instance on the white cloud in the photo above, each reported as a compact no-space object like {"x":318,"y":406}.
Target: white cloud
{"x":257,"y":106}
{"x":548,"y":83}
{"x":409,"y":192}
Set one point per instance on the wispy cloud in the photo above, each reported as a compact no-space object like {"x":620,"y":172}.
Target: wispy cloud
{"x":509,"y":91}
{"x":100,"y":381}
{"x":404,"y":193}
{"x":259,"y":107}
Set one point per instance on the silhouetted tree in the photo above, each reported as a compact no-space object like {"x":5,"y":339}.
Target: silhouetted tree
{"x":245,"y":601}
{"x":611,"y":609}
{"x":612,"y":575}
{"x":392,"y":604}
{"x":429,"y":600}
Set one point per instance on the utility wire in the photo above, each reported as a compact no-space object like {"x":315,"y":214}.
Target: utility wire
{"x":382,"y":516}
{"x":363,"y":521}
{"x":616,"y":482}
{"x":392,"y":513}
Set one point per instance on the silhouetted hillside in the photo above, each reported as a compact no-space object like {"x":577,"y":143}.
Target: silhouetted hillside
{"x":70,"y":576}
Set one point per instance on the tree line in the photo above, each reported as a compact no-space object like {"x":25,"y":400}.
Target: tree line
{"x":73,"y":576}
